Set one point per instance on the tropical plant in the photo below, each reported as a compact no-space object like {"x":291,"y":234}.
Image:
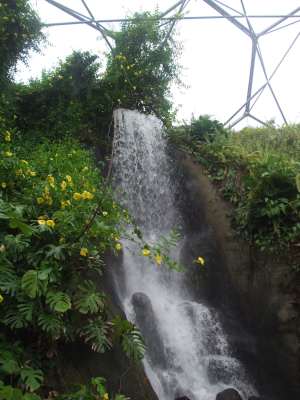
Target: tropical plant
{"x":257,"y":170}
{"x":20,"y":32}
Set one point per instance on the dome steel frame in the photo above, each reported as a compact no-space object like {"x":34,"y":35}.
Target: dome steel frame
{"x":175,"y":13}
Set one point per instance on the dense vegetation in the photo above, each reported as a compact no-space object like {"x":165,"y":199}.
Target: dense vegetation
{"x":58,"y":217}
{"x":76,"y":99}
{"x":257,"y":170}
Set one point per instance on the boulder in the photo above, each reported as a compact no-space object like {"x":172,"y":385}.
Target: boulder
{"x":146,"y":321}
{"x":229,"y":394}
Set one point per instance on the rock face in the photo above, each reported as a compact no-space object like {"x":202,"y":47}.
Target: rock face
{"x":229,"y":394}
{"x":265,"y":287}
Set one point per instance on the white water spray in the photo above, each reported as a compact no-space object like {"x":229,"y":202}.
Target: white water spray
{"x":187,"y":352}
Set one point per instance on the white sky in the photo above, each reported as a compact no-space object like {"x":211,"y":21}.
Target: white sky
{"x":215,"y":57}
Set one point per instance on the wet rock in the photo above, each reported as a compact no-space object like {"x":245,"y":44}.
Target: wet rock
{"x":229,"y":394}
{"x":257,"y":398}
{"x":182,"y":398}
{"x":147,"y":324}
{"x":218,"y":372}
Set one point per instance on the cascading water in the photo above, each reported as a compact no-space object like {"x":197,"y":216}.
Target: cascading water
{"x":187,"y":352}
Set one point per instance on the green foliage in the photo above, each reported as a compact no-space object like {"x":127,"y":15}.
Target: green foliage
{"x":88,"y":299}
{"x":142,"y":66}
{"x":57,"y":215}
{"x":23,"y":377}
{"x":205,"y":128}
{"x":95,"y":332}
{"x":76,"y":100}
{"x":57,"y":219}
{"x":32,"y":378}
{"x":67,"y":101}
{"x":133,"y":345}
{"x":130,"y":338}
{"x":20,"y":32}
{"x":257,"y":170}
{"x":95,"y":390}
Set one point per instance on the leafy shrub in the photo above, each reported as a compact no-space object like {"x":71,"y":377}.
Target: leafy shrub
{"x":257,"y":169}
{"x":57,"y":219}
{"x":68,"y":101}
{"x":142,"y":66}
{"x":75,"y":99}
{"x":205,"y":128}
{"x":20,"y":31}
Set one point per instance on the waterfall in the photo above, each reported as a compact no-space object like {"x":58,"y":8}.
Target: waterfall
{"x":187,"y":351}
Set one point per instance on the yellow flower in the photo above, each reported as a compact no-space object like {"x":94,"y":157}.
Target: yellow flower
{"x":200,"y":261}
{"x":2,"y":248}
{"x":3,"y":185}
{"x":40,"y":200}
{"x":50,"y":223}
{"x":63,"y":185}
{"x":65,"y":203}
{"x":1,"y":298}
{"x":7,"y":136}
{"x":24,"y":162}
{"x":105,"y":396}
{"x":41,"y":222}
{"x":8,"y":153}
{"x":84,"y":251}
{"x":158,"y":259}
{"x":146,"y":252}
{"x":51,"y":180}
{"x":69,"y":178}
{"x":32,"y":173}
{"x":87,"y":195}
{"x":118,"y":246}
{"x":104,"y":213}
{"x":77,"y":196}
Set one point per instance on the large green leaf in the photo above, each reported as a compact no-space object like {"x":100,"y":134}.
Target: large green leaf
{"x":51,"y":323}
{"x":10,"y":393}
{"x":32,"y":378}
{"x":298,"y":182}
{"x":133,"y":344}
{"x":8,"y":364}
{"x":58,"y":301}
{"x":30,"y":283}
{"x":88,"y":299}
{"x":9,"y":280}
{"x":95,"y":333}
